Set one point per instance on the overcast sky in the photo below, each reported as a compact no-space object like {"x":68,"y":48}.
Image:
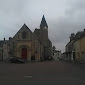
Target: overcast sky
{"x":63,"y":17}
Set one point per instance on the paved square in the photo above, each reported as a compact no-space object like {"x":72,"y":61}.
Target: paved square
{"x":42,"y":73}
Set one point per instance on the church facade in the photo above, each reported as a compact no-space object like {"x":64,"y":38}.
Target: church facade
{"x":28,"y":45}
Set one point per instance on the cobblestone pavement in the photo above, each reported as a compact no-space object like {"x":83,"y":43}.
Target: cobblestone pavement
{"x":42,"y":73}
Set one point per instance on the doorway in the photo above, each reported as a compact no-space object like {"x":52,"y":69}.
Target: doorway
{"x":24,"y":53}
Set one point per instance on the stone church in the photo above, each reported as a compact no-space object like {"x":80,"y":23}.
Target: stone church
{"x":28,"y":45}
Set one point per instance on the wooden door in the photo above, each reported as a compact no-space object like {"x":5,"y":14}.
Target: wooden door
{"x":24,"y":53}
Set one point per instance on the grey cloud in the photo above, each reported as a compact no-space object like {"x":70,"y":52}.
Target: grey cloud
{"x":63,"y":17}
{"x":75,"y":7}
{"x":72,"y":21}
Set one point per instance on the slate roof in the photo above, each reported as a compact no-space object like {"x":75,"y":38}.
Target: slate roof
{"x":79,"y":35}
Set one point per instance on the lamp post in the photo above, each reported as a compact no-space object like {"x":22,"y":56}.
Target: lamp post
{"x":2,"y":55}
{"x":1,"y":51}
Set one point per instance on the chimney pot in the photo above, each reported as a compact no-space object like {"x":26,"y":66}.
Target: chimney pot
{"x":84,"y":30}
{"x":4,"y":39}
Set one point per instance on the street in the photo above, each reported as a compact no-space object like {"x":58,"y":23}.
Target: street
{"x":42,"y":73}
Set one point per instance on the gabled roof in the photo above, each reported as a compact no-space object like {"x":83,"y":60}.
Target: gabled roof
{"x":25,"y":28}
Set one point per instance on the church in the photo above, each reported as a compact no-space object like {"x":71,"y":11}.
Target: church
{"x":28,"y":45}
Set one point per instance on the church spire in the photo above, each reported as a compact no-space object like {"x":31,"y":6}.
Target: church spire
{"x":43,"y":23}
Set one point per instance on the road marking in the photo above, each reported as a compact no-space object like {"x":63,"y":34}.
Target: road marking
{"x":28,"y":76}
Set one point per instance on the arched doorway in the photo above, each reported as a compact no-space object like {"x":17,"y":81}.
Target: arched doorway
{"x":24,"y":53}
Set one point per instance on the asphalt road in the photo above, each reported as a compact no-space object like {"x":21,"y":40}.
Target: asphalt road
{"x":42,"y":73}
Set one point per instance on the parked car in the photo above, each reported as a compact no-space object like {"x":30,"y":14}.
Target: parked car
{"x":50,"y":58}
{"x":16,"y":60}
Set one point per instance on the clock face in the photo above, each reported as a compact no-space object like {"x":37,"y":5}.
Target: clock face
{"x":45,"y":27}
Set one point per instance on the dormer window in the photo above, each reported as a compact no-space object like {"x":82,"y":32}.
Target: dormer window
{"x":24,"y":35}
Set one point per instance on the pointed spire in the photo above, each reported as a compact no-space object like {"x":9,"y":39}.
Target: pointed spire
{"x":43,"y":17}
{"x":43,"y":23}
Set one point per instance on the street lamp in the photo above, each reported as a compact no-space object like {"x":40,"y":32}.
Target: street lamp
{"x":1,"y":53}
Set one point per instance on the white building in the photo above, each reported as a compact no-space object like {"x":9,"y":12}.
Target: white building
{"x":57,"y":55}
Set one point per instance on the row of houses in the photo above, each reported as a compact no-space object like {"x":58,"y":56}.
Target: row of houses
{"x":75,"y":48}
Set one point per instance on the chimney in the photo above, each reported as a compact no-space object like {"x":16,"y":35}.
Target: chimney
{"x":72,"y":36}
{"x":4,"y":39}
{"x":84,"y":29}
{"x":10,"y":38}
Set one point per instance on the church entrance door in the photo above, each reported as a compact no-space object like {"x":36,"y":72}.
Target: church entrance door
{"x":24,"y":53}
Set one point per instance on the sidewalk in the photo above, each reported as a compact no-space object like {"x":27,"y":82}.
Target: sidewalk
{"x":82,"y":62}
{"x":74,"y":61}
{"x":4,"y":61}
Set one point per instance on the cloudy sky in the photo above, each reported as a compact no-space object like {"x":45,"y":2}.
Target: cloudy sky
{"x":63,"y":17}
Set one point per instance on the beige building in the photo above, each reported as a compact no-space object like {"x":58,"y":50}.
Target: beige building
{"x":75,"y":49}
{"x":79,"y":47}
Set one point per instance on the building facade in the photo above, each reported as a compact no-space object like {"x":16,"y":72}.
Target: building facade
{"x":69,"y":49}
{"x":28,"y":45}
{"x":57,"y":55}
{"x":75,"y":49}
{"x":79,"y":46}
{"x":42,"y":35}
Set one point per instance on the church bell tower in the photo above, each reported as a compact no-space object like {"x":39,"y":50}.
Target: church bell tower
{"x":44,"y":29}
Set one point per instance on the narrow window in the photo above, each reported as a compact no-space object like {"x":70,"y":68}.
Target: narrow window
{"x":24,"y":35}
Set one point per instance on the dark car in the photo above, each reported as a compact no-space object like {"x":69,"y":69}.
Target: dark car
{"x":50,"y":58}
{"x":16,"y":60}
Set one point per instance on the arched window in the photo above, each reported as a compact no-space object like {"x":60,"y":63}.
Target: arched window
{"x":24,"y":35}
